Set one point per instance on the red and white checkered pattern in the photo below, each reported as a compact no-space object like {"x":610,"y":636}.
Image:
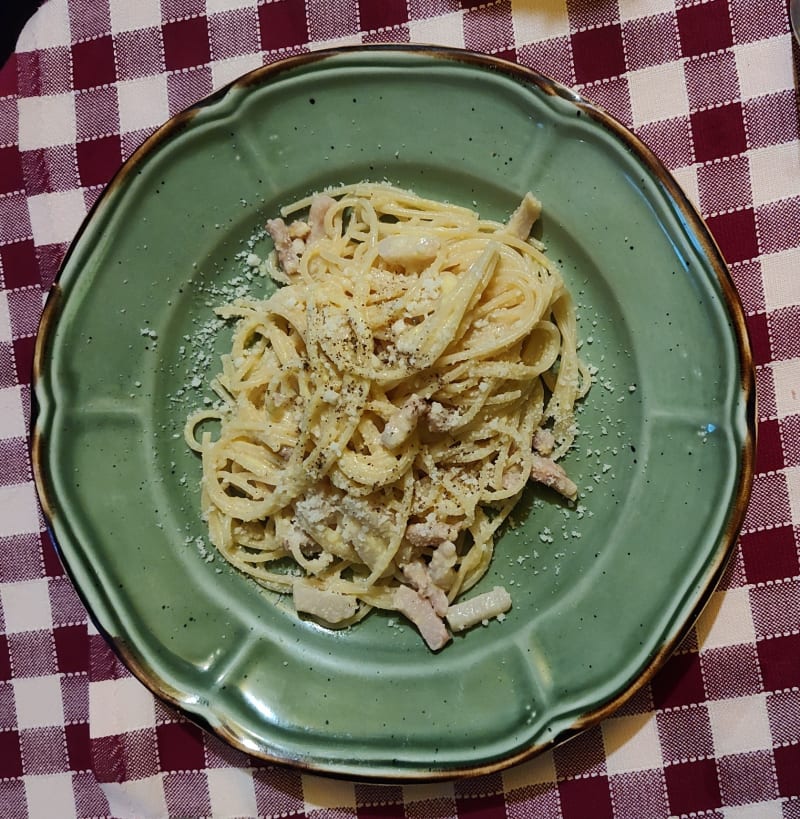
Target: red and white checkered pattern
{"x":710,"y":85}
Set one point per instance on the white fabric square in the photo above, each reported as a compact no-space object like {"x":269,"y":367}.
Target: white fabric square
{"x":231,"y":792}
{"x":764,"y":66}
{"x":26,"y":605}
{"x":47,"y":28}
{"x":446,"y":30}
{"x":726,"y":621}
{"x":687,"y":179}
{"x":543,"y":20}
{"x":143,"y":103}
{"x":774,"y":173}
{"x":49,"y":796}
{"x":632,"y":743}
{"x":213,"y":6}
{"x":780,"y":279}
{"x":657,"y":93}
{"x":21,"y":509}
{"x":327,"y":794}
{"x":793,"y":487}
{"x":225,"y":71}
{"x":428,"y":792}
{"x":537,"y":771}
{"x":56,"y":217}
{"x":128,"y":16}
{"x":336,"y":42}
{"x":38,"y":701}
{"x":119,"y":706}
{"x":12,"y":417}
{"x":5,"y":325}
{"x":786,"y":377}
{"x":46,"y":121}
{"x":137,"y":797}
{"x":634,"y":9}
{"x":739,"y":725}
{"x":758,"y":810}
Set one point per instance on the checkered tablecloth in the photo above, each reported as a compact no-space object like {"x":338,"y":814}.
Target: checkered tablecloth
{"x":711,"y":86}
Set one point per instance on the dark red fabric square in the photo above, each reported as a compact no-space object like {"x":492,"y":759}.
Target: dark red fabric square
{"x":93,"y":63}
{"x":186,"y":43}
{"x":5,"y":659}
{"x":479,"y":807}
{"x":718,"y":132}
{"x":769,"y":555}
{"x":769,"y":455}
{"x":72,"y":648}
{"x":787,"y":770}
{"x":586,"y":797}
{"x":8,"y":77}
{"x":692,"y":786}
{"x":99,"y":159}
{"x":23,"y":358}
{"x":391,"y":811}
{"x":180,"y":747}
{"x":704,"y":27}
{"x":598,"y":53}
{"x":282,"y":24}
{"x":735,"y":234}
{"x":10,"y":755}
{"x":780,"y":662}
{"x":758,"y":330}
{"x":18,"y":266}
{"x":680,"y":682}
{"x":10,"y":170}
{"x":49,"y":258}
{"x":386,"y":13}
{"x":79,"y":748}
{"x":52,"y":562}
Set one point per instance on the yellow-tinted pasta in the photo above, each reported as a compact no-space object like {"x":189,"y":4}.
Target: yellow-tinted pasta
{"x":383,"y":410}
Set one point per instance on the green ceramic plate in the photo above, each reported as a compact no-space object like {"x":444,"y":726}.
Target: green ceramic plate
{"x":601,"y":593}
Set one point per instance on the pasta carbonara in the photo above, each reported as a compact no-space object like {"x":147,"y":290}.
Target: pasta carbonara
{"x":383,"y":410}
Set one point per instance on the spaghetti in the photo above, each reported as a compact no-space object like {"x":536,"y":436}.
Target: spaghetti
{"x":383,"y":410}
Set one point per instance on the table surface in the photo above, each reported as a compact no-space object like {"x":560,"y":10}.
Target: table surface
{"x":711,"y":87}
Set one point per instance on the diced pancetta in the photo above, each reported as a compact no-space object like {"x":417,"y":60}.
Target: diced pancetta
{"x":332,"y":607}
{"x":401,"y":424}
{"x":546,"y":471}
{"x":287,"y":249}
{"x":483,"y":607}
{"x":409,"y":251}
{"x":525,"y":216}
{"x":320,"y":205}
{"x":430,"y":533}
{"x":544,"y":442}
{"x":417,"y":609}
{"x":418,"y":576}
